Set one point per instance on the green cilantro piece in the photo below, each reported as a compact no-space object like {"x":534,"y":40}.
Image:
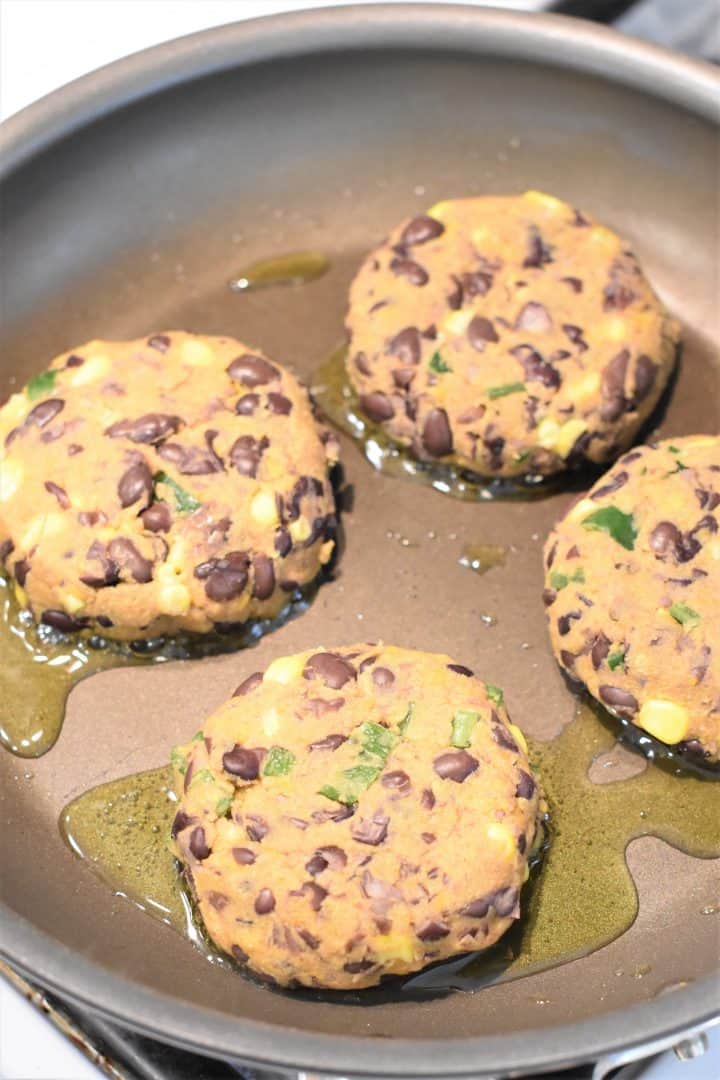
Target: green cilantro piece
{"x":674,"y":449}
{"x":197,"y":737}
{"x":685,"y":615}
{"x":617,"y":524}
{"x":223,"y":805}
{"x":202,"y":777}
{"x":559,"y":581}
{"x":495,"y":693}
{"x":463,"y":723}
{"x":350,"y":784}
{"x":377,"y":740}
{"x":279,"y":761}
{"x":522,"y":456}
{"x":185,"y":503}
{"x":506,"y":388}
{"x":41,"y":384}
{"x":615,"y":659}
{"x":178,"y":760}
{"x":403,"y":725}
{"x":438,"y":364}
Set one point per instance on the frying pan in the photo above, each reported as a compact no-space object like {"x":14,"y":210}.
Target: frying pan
{"x":129,"y":199}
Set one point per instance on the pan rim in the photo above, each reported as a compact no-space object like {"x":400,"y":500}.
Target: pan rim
{"x":564,"y":42}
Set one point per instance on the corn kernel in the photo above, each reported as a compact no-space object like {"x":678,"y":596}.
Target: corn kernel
{"x":174,"y":599}
{"x":714,"y":548}
{"x":570,"y":431}
{"x":479,"y":236}
{"x":21,"y":595}
{"x":71,"y":603}
{"x":439,"y":209}
{"x":93,"y":368}
{"x":547,"y":202}
{"x":285,"y":669}
{"x":13,"y":411}
{"x":615,"y":328}
{"x":587,"y":387}
{"x":11,"y":477}
{"x":698,"y":440}
{"x":263,"y":508}
{"x":326,"y":551}
{"x":581,"y":510}
{"x":503,"y":838}
{"x":518,"y":737}
{"x":458,"y":322}
{"x":41,"y":527}
{"x":395,"y":947}
{"x":547,"y":433}
{"x":196,"y":353}
{"x":300,"y":530}
{"x":271,"y":721}
{"x":665,"y":720}
{"x":603,"y":238}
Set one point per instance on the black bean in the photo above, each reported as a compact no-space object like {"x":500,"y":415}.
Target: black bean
{"x":534,"y":317}
{"x":436,"y":433}
{"x":60,"y":494}
{"x":620,"y":700}
{"x":475,"y":284}
{"x":645,"y":374}
{"x":161,"y":342}
{"x":315,"y":894}
{"x":240,"y":955}
{"x":264,"y":577}
{"x":264,"y":902}
{"x":433,"y":930}
{"x":316,"y":864}
{"x":310,"y":940}
{"x":397,"y":780}
{"x":6,"y":548}
{"x":613,"y":386}
{"x":247,"y":404}
{"x":249,"y":684}
{"x":135,"y":484}
{"x":180,"y":822}
{"x":575,"y":283}
{"x":279,"y":404}
{"x":526,"y":785}
{"x":406,"y":346}
{"x":420,"y":230}
{"x":536,"y":368}
{"x":575,"y":334}
{"x":242,"y":762}
{"x":246,"y":452}
{"x":60,"y":620}
{"x":455,"y":765}
{"x":410,"y":270}
{"x":355,"y":967}
{"x":256,"y":827}
{"x":225,"y":578}
{"x":123,"y":553}
{"x":402,"y":377}
{"x":330,"y":742}
{"x":455,"y":296}
{"x":44,"y":412}
{"x":477,"y":909}
{"x":383,"y":677}
{"x":198,"y":844}
{"x":150,"y":428}
{"x":617,"y":297}
{"x":618,"y":481}
{"x":252,"y":370}
{"x":460,"y":669}
{"x":549,"y":597}
{"x":427,"y":799}
{"x":564,"y":623}
{"x":157,"y":518}
{"x":370,"y":831}
{"x":283,"y":542}
{"x":244,"y":856}
{"x":502,"y":737}
{"x":360,"y":361}
{"x":331,"y":668}
{"x":600,"y":649}
{"x":480,"y":332}
{"x":378,"y":406}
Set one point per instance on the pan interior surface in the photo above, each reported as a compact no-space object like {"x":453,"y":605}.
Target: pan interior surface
{"x":136,"y":223}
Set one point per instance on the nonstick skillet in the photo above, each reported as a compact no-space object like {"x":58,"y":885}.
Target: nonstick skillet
{"x":129,"y":199}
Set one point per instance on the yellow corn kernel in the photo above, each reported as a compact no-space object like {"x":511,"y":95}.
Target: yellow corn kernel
{"x":458,"y":322}
{"x":11,"y":477}
{"x":94,"y":368}
{"x":603,"y":238}
{"x":518,"y":737}
{"x":570,"y":431}
{"x":503,"y":838}
{"x":526,"y":872}
{"x":285,"y":669}
{"x":587,"y":387}
{"x":479,"y":236}
{"x":71,"y":603}
{"x":547,"y":433}
{"x":174,"y":599}
{"x":20,"y":595}
{"x":395,"y":947}
{"x":714,"y":548}
{"x":439,"y":209}
{"x":326,"y":551}
{"x":665,"y":720}
{"x":263,"y":508}
{"x":694,"y":441}
{"x":13,"y":411}
{"x":300,"y":530}
{"x":40,"y":527}
{"x":270,"y":721}
{"x":547,"y":202}
{"x":581,"y":510}
{"x":615,"y":328}
{"x":196,"y":353}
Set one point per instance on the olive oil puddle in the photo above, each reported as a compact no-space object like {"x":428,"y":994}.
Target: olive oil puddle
{"x":339,"y":402}
{"x":295,"y":268}
{"x":482,"y":557}
{"x":40,"y":666}
{"x":579,"y":898}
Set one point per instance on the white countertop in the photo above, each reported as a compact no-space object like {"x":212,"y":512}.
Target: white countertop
{"x":78,"y":36}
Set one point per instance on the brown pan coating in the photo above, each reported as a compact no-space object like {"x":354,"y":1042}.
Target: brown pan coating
{"x":507,"y":335}
{"x":632,"y":588}
{"x":356,"y":813}
{"x":174,"y":483}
